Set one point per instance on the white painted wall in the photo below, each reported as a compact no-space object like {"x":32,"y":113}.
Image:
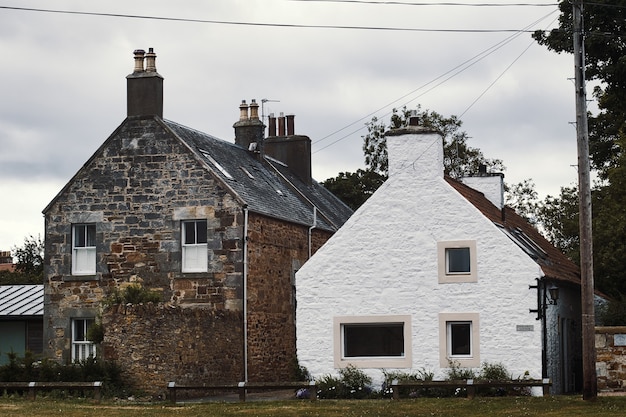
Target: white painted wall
{"x":383,"y":261}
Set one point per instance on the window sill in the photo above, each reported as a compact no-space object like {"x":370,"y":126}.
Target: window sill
{"x":93,"y":277}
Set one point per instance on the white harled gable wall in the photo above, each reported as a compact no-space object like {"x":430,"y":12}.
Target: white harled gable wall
{"x":383,"y":261}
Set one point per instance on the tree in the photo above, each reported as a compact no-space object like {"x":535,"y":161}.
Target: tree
{"x":353,"y":188}
{"x":459,"y":158}
{"x":29,"y":266}
{"x":604,"y":63}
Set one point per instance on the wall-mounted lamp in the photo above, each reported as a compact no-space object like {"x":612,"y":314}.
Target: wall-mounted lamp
{"x":553,"y":291}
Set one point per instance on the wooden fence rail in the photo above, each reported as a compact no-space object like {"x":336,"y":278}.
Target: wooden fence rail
{"x":471,"y":385}
{"x":243,"y":387}
{"x":33,"y":387}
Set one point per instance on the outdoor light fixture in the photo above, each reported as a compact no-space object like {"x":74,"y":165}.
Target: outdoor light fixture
{"x":553,"y":291}
{"x":545,"y":296}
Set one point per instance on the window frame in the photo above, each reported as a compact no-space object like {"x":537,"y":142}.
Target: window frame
{"x":82,"y":349}
{"x":446,"y":320}
{"x":447,"y":277}
{"x":201,"y":249}
{"x":86,"y":253}
{"x":342,"y":361}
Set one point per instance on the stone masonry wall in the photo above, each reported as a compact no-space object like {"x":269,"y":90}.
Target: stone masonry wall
{"x":611,"y":358}
{"x":137,"y":188}
{"x":276,"y":250}
{"x":155,"y":344}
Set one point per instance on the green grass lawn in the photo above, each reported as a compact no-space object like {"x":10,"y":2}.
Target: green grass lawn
{"x":458,"y":407}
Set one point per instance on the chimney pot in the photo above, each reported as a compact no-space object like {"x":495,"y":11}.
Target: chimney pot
{"x":290,"y":125}
{"x":151,"y":60}
{"x":281,"y":124}
{"x":139,"y":56}
{"x":243,"y":111}
{"x":414,"y":119}
{"x":254,"y":110}
{"x":272,"y":125}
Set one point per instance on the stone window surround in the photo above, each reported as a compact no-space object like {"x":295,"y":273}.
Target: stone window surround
{"x":444,"y":357}
{"x":375,"y":362}
{"x":444,"y":277}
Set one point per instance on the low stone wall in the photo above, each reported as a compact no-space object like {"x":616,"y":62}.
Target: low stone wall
{"x":611,"y":358}
{"x":158,"y":343}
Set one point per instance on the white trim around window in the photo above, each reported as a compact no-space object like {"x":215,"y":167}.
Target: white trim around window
{"x":459,"y":339}
{"x":456,"y":261}
{"x":387,"y":341}
{"x":84,"y":249}
{"x":194,"y":246}
{"x":81,"y":347}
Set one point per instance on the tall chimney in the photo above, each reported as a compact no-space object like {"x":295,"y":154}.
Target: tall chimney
{"x":144,"y":87}
{"x":281,"y":125}
{"x":249,"y":129}
{"x":291,"y":149}
{"x":272,"y":127}
{"x":291,"y":129}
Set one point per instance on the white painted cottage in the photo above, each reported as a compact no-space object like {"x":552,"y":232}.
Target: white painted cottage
{"x":431,"y":270}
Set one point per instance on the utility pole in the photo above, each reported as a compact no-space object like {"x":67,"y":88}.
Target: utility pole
{"x":590,"y":380}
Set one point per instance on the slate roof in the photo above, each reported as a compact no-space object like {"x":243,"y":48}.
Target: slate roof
{"x":265,"y":185}
{"x":552,"y":261}
{"x":21,"y":300}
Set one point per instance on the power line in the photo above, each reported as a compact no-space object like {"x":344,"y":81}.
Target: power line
{"x":279,"y":25}
{"x":399,"y":3}
{"x":454,"y":72}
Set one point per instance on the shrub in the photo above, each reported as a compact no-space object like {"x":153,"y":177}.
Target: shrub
{"x":133,"y":294}
{"x":421,"y":375}
{"x":91,"y":369}
{"x":351,"y":383}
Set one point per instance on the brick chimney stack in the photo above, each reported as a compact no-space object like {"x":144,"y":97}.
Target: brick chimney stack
{"x":294,"y":150}
{"x":144,"y":87}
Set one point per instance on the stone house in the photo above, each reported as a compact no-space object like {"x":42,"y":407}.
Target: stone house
{"x":217,"y":228}
{"x":463,"y":280}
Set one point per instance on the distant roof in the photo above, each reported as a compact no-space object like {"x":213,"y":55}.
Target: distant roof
{"x":266,"y":185}
{"x":552,"y":261}
{"x":21,"y":300}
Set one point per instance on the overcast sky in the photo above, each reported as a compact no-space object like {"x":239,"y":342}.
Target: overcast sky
{"x":63,"y":86}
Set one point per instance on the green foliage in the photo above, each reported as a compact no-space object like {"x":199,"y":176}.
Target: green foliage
{"x":613,"y":313}
{"x":133,"y":294}
{"x":354,"y":188}
{"x":421,"y":375}
{"x":459,"y":158}
{"x":29,"y":265}
{"x":29,"y":368}
{"x":299,"y":372}
{"x":605,"y":63}
{"x":494,"y":372}
{"x":95,"y":333}
{"x":456,"y":373}
{"x":351,"y":383}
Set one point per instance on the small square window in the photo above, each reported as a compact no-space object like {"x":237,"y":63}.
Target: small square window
{"x":194,"y":246}
{"x":457,"y":261}
{"x":459,"y":339}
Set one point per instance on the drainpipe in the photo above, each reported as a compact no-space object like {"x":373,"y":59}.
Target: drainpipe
{"x":245,"y":292}
{"x":311,"y":229}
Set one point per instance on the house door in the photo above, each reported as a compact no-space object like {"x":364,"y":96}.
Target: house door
{"x":570,"y":356}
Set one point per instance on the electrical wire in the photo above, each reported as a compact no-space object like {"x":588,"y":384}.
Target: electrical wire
{"x":454,"y":72}
{"x":278,"y":25}
{"x":399,"y":3}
